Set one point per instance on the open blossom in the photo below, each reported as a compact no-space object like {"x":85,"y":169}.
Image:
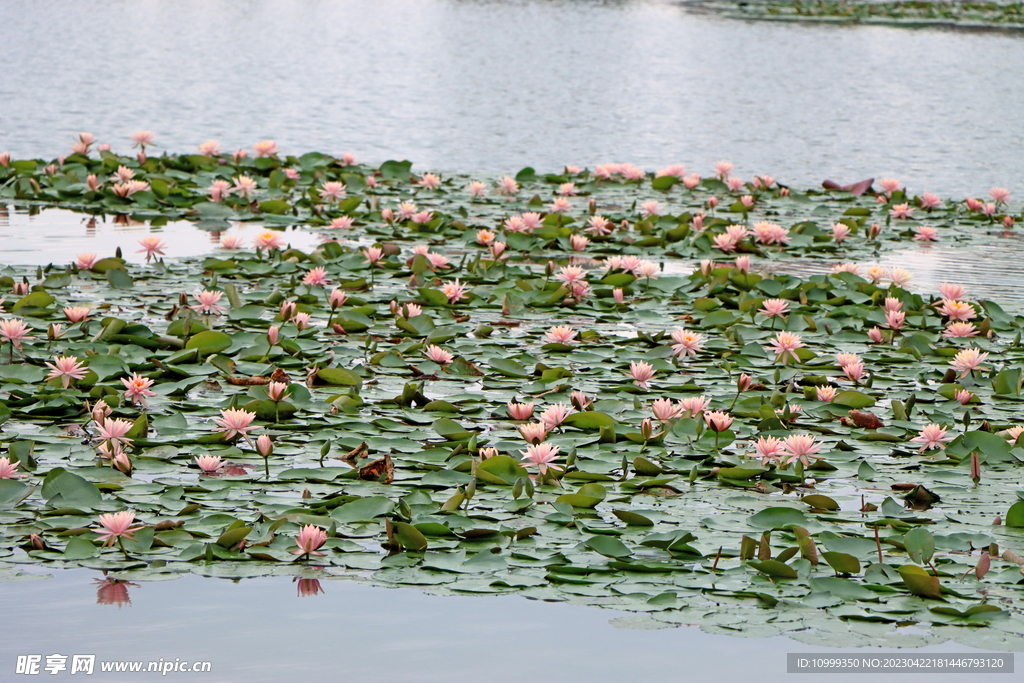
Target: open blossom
{"x":541,"y":455}
{"x":642,"y":373}
{"x":14,"y":331}
{"x":533,"y":432}
{"x":332,"y":191}
{"x":208,"y":463}
{"x":570,"y":274}
{"x":932,"y":436}
{"x":691,"y":405}
{"x":561,"y":334}
{"x":960,"y":329}
{"x":825,"y":393}
{"x":487,"y":452}
{"x":725,"y":242}
{"x":718,"y":420}
{"x":437,"y":260}
{"x":86,"y":261}
{"x":265,"y":148}
{"x":691,"y":181}
{"x":309,"y":539}
{"x":76,"y":314}
{"x":957,"y":310}
{"x":799,"y":447}
{"x":554,"y":415}
{"x":844,"y":359}
{"x":723,"y":168}
{"x":520,"y":411}
{"x":1013,"y":433}
{"x":930,"y":201}
{"x":276,"y":391}
{"x":66,"y":368}
{"x":578,"y":242}
{"x":210,"y":148}
{"x":854,"y":371}
{"x":477,"y":189}
{"x":876,"y":273}
{"x":774,"y":307}
{"x":598,"y":225}
{"x":675,"y":170}
{"x":124,"y":174}
{"x":687,"y":343}
{"x":406,"y":210}
{"x":579,"y":400}
{"x":902,"y":211}
{"x":430,"y":181}
{"x":1000,"y":194}
{"x":114,"y":431}
{"x":840,"y":231}
{"x":455,"y":291}
{"x":341,"y":222}
{"x":301,"y":321}
{"x":891,"y":303}
{"x":117,"y":525}
{"x":208,"y":302}
{"x":769,"y":449}
{"x":244,"y":186}
{"x":234,"y":422}
{"x":664,"y":410}
{"x":968,"y":360}
{"x":567,"y":189}
{"x":964,"y":396}
{"x":650,"y":208}
{"x":785,"y":345}
{"x":951,"y":291}
{"x":373,"y":255}
{"x":560,"y":205}
{"x":151,"y":245}
{"x":900,"y":277}
{"x":484,"y":237}
{"x":316,"y":277}
{"x":218,"y":189}
{"x":515,"y":224}
{"x":847,"y":267}
{"x":890,"y":185}
{"x":136,"y":389}
{"x":770,"y":233}
{"x":926,"y":234}
{"x":232,"y":241}
{"x":894,"y":319}
{"x":8,"y":469}
{"x":268,"y":239}
{"x":438,"y":355}
{"x":508,"y":185}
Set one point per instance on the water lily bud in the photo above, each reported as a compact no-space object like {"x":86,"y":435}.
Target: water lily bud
{"x":874,"y":231}
{"x":647,"y":429}
{"x":264,"y":446}
{"x":272,"y":334}
{"x":975,"y":467}
{"x":37,"y":542}
{"x":183,"y":300}
{"x":549,"y":269}
{"x":618,"y":294}
{"x":744,"y":382}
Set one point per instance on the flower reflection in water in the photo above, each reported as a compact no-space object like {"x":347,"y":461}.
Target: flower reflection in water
{"x":113,"y":592}
{"x":308,"y":587}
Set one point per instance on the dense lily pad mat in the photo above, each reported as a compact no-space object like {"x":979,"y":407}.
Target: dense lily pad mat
{"x":395,"y":385}
{"x":975,"y":15}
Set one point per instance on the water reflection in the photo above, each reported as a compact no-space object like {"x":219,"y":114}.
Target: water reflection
{"x":113,"y":592}
{"x":308,"y":587}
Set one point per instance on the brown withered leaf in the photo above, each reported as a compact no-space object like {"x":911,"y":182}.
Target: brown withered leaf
{"x":280,"y":375}
{"x":248,"y":381}
{"x":382,"y":470}
{"x":866,"y":420}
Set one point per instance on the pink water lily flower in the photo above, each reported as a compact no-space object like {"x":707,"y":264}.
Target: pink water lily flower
{"x":117,"y":525}
{"x":136,"y":388}
{"x":430,"y":181}
{"x":692,"y":405}
{"x":208,"y":302}
{"x":484,"y":237}
{"x":1000,"y":194}
{"x":373,"y":255}
{"x":265,"y":148}
{"x":926,"y":234}
{"x":900,"y":277}
{"x":901,"y":211}
{"x":567,"y":189}
{"x":455,"y":291}
{"x":114,"y":431}
{"x":561,"y":334}
{"x":86,"y":261}
{"x":894,"y":319}
{"x":578,"y":242}
{"x":826,"y":393}
{"x":520,"y":411}
{"x":931,"y":437}
{"x":508,"y":186}
{"x":968,"y":360}
{"x":642,"y":373}
{"x":14,"y":331}
{"x":541,"y":455}
{"x":774,"y":307}
{"x":316,"y":277}
{"x":438,"y":355}
{"x":151,"y":245}
{"x":341,"y":223}
{"x":687,"y":343}
{"x":799,"y":447}
{"x":840,"y":231}
{"x":477,"y":189}
{"x":664,"y":410}
{"x":533,"y":432}
{"x":234,"y":422}
{"x":952,"y":291}
{"x":785,"y":345}
{"x":8,"y":469}
{"x":960,"y":329}
{"x":218,"y":190}
{"x":244,"y":186}
{"x":310,"y":538}
{"x":554,"y":415}
{"x":232,"y":241}
{"x":332,"y":191}
{"x":930,"y":201}
{"x":718,"y":420}
{"x":209,"y":463}
{"x":957,"y":310}
{"x":723,"y":168}
{"x":67,"y":368}
{"x":561,"y":205}
{"x":964,"y":396}
{"x":769,"y":449}
{"x":210,"y":148}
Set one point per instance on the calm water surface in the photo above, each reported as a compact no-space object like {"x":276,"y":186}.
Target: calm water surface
{"x":495,"y":85}
{"x":274,"y":629}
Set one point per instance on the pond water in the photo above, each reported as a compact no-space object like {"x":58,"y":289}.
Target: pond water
{"x":276,"y":629}
{"x":494,"y":85}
